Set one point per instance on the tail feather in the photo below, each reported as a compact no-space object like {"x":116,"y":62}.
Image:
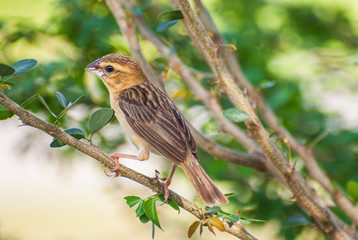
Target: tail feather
{"x":204,"y":186}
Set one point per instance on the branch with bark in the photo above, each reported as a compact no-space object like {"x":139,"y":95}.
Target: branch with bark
{"x":304,"y":152}
{"x":271,"y":157}
{"x":29,"y":119}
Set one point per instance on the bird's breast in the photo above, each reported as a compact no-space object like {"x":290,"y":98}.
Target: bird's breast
{"x":138,"y":141}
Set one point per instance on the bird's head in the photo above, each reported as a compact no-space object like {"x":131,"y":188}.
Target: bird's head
{"x":117,"y":72}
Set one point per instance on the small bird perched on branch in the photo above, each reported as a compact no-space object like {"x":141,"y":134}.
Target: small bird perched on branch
{"x":152,"y":122}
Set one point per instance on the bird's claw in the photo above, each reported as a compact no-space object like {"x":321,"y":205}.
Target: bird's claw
{"x":115,"y":169}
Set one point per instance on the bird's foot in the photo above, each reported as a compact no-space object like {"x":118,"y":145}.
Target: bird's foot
{"x":166,"y":191}
{"x":115,"y":157}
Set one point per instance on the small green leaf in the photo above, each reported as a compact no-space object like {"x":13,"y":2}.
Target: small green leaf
{"x":253,"y":219}
{"x":23,"y":65}
{"x":150,"y":210}
{"x":76,"y":101}
{"x":165,"y":25}
{"x":193,"y":228}
{"x":267,"y":84}
{"x":144,"y":218}
{"x":173,"y":204}
{"x":236,"y":115}
{"x":140,"y":209}
{"x":297,"y":219}
{"x":132,"y":200}
{"x":29,"y":100}
{"x":46,"y":106}
{"x":170,"y":202}
{"x":246,"y":221}
{"x":232,"y":218}
{"x":61,"y":99}
{"x":99,"y":119}
{"x":74,"y":132}
{"x":5,"y":114}
{"x":352,"y":187}
{"x":6,"y":70}
{"x":214,"y":209}
{"x":170,"y":15}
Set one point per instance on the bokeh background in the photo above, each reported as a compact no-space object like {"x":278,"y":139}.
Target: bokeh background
{"x":302,"y":54}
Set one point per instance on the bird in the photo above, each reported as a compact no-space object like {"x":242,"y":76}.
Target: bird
{"x":153,"y":123}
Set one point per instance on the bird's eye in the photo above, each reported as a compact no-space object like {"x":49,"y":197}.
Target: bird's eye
{"x":109,"y":68}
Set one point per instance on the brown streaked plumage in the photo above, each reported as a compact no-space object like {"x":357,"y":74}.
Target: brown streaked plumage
{"x":152,"y":122}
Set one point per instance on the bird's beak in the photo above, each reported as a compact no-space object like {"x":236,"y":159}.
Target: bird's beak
{"x":95,"y":68}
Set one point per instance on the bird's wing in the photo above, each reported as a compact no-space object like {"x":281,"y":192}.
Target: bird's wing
{"x":151,"y":114}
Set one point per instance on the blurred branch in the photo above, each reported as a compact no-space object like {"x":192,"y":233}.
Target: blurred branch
{"x":210,"y":52}
{"x":304,"y":152}
{"x":29,"y":119}
{"x":128,"y":29}
{"x":256,"y":159}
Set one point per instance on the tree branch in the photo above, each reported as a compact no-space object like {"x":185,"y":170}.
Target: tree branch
{"x":254,"y":159}
{"x":31,"y":120}
{"x":304,"y":152}
{"x":210,"y":52}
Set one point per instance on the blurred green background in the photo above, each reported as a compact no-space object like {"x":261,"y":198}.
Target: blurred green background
{"x":308,"y":49}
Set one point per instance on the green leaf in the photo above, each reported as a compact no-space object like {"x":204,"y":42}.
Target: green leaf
{"x":297,"y":219}
{"x":236,"y":115}
{"x":140,"y":209}
{"x":232,"y":218}
{"x":46,"y":106}
{"x":267,"y":84}
{"x":246,"y":221}
{"x":76,"y":101}
{"x":150,"y":210}
{"x":61,"y":99}
{"x":132,"y":200}
{"x":214,"y":209}
{"x":352,"y":187}
{"x":74,"y":132}
{"x":29,"y":100}
{"x":170,"y":202}
{"x":23,"y":65}
{"x":170,"y":15}
{"x":6,"y":70}
{"x":5,"y":114}
{"x":165,"y":25}
{"x":144,"y":218}
{"x":99,"y":119}
{"x":173,"y":204}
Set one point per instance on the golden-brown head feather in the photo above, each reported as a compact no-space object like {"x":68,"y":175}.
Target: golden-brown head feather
{"x":117,"y":72}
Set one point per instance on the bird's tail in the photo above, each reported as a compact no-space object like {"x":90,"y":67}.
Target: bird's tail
{"x":204,"y":186}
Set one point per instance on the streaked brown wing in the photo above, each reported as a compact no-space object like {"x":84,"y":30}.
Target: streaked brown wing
{"x":155,"y":118}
